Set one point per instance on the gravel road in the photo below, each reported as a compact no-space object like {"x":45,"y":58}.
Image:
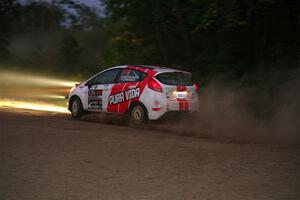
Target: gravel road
{"x":51,"y":156}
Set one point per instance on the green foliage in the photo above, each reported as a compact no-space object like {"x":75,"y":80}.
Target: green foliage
{"x":206,"y":37}
{"x":203,"y":35}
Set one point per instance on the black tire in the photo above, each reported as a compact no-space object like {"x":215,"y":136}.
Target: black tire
{"x":76,"y":108}
{"x":138,"y":115}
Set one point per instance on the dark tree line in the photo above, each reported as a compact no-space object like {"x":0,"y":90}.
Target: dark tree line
{"x":203,"y":36}
{"x":207,"y":35}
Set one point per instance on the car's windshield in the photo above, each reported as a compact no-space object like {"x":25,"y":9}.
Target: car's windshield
{"x":175,"y":78}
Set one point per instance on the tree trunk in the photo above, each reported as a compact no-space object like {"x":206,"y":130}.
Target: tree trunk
{"x":159,"y":35}
{"x":182,"y":28}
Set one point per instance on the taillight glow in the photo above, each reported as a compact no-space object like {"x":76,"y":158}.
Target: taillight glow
{"x":184,"y":92}
{"x":154,"y":85}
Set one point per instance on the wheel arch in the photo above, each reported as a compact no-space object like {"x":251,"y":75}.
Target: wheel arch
{"x":137,"y":122}
{"x":132,"y":104}
{"x":71,"y":99}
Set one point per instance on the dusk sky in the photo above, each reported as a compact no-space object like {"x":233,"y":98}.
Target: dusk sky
{"x":91,"y":3}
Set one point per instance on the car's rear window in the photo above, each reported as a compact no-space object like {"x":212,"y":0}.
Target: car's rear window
{"x":175,"y":78}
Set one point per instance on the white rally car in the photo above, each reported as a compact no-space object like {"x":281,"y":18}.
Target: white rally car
{"x":142,"y":92}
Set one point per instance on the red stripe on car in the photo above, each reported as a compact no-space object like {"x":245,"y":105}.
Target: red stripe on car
{"x":183,"y":103}
{"x":181,"y":88}
{"x":115,"y":89}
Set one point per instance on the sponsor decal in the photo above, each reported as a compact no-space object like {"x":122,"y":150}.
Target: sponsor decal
{"x":129,"y":78}
{"x":95,"y":105}
{"x":129,"y":75}
{"x":95,"y":93}
{"x":95,"y":99}
{"x":98,"y":92}
{"x":124,"y":96}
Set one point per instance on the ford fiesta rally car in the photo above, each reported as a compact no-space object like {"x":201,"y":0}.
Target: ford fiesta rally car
{"x":142,"y":92}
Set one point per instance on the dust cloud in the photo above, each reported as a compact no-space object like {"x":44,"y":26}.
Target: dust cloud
{"x":230,"y":113}
{"x":227,"y":114}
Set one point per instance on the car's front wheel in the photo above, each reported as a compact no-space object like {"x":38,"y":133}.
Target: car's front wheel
{"x":138,"y":115}
{"x":76,"y":108}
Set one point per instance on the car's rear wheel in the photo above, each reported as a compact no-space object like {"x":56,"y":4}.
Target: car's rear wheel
{"x":76,"y":108}
{"x":138,"y":115}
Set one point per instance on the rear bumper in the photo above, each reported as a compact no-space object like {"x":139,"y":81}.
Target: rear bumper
{"x":173,"y":107}
{"x":175,"y":115}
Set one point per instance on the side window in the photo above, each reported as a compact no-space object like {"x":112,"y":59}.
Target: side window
{"x":107,"y":77}
{"x":129,"y":75}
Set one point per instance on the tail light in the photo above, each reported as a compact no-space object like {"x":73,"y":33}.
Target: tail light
{"x":154,"y":85}
{"x":196,"y":86}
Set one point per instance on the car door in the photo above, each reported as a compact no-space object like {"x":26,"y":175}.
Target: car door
{"x":100,"y":89}
{"x":128,"y":81}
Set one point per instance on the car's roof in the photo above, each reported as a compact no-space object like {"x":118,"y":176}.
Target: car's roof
{"x":158,"y":69}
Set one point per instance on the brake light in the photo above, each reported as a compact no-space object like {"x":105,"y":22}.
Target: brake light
{"x":196,"y":86}
{"x":154,"y":85}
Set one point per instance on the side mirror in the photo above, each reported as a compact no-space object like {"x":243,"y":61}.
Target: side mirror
{"x":88,"y":85}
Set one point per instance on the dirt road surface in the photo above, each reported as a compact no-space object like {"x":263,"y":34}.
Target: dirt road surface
{"x":51,"y":156}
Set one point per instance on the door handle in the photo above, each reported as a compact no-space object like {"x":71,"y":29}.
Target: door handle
{"x":132,"y":87}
